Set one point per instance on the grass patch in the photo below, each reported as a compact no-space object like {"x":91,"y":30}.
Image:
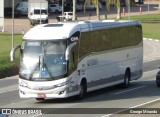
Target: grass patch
{"x":150,"y":25}
{"x":5,"y":64}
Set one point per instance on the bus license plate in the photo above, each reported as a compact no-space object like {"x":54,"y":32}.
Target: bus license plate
{"x":41,"y":95}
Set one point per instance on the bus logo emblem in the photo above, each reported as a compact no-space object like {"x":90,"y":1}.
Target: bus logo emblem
{"x":74,"y":38}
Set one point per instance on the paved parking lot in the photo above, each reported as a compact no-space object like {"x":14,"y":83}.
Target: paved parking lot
{"x":22,"y":23}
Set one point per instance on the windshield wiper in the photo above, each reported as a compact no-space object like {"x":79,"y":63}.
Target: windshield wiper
{"x":38,"y":66}
{"x":47,"y":70}
{"x":44,"y":66}
{"x":35,"y":68}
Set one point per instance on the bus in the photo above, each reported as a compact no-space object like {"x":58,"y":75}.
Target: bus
{"x":66,"y":59}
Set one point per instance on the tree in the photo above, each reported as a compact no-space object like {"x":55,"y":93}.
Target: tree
{"x":117,"y":4}
{"x":96,"y":3}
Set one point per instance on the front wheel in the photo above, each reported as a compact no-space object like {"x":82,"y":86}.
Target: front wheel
{"x":158,"y":82}
{"x":82,"y":90}
{"x":126,"y":79}
{"x":57,"y":11}
{"x":158,"y":85}
{"x":46,"y":21}
{"x":32,"y":23}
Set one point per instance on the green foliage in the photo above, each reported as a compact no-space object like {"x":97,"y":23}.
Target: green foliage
{"x":150,"y":24}
{"x":116,"y":2}
{"x":94,"y":2}
{"x":5,"y":44}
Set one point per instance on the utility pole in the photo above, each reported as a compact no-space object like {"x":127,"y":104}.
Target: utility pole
{"x":129,"y":10}
{"x":62,"y":7}
{"x":12,"y":24}
{"x":74,"y":10}
{"x":2,"y":14}
{"x":40,"y":14}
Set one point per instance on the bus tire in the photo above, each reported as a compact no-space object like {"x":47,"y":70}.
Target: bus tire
{"x":82,"y":89}
{"x":126,"y":79}
{"x":158,"y":85}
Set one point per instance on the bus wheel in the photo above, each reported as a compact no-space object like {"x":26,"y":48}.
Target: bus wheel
{"x":126,"y":79}
{"x":157,"y":82}
{"x":158,"y":85}
{"x":40,"y":99}
{"x":82,"y":89}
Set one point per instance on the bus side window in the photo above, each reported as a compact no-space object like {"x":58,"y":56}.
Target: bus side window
{"x":73,"y":59}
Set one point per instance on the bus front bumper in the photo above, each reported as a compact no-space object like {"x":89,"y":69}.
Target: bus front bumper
{"x":52,"y":93}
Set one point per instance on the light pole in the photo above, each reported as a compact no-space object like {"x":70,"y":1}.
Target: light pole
{"x":74,"y":10}
{"x":40,"y":13}
{"x":2,"y":14}
{"x":62,"y":7}
{"x":148,"y":6}
{"x":12,"y":24}
{"x":129,"y":10}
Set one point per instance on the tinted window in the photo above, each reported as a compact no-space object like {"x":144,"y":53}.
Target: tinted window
{"x":102,"y":40}
{"x":37,"y":11}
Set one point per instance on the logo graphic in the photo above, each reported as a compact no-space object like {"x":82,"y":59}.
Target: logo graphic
{"x":6,"y":111}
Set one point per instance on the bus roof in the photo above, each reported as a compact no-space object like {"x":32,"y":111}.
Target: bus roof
{"x":63,"y":30}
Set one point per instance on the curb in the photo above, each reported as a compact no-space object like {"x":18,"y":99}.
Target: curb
{"x":157,"y":40}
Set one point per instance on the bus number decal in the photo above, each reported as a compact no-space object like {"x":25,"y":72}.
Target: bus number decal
{"x":92,"y":62}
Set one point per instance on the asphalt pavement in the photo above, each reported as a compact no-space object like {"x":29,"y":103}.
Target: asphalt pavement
{"x":111,"y":101}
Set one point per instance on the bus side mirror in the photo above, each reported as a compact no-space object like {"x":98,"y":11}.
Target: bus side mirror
{"x":12,"y":53}
{"x":69,"y":49}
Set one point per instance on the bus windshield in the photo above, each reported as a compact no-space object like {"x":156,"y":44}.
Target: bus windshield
{"x":43,"y":60}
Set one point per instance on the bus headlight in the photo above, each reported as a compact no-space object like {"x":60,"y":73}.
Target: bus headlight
{"x":62,"y":92}
{"x":22,"y":92}
{"x":23,"y":83}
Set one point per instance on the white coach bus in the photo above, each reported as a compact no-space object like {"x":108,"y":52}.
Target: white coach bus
{"x":72,"y":58}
